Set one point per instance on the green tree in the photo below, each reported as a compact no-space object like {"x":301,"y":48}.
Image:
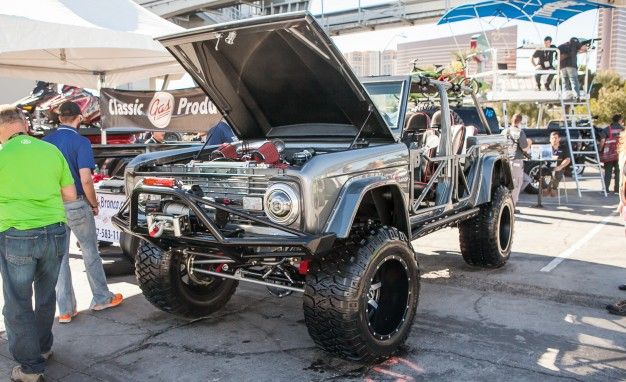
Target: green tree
{"x":610,"y":101}
{"x":605,"y":79}
{"x":608,"y":96}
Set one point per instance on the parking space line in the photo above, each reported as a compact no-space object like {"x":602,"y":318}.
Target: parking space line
{"x":576,"y":246}
{"x":562,"y":204}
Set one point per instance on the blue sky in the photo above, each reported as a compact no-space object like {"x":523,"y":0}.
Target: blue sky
{"x":582,"y":26}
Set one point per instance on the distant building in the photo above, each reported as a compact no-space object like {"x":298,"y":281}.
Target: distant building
{"x":372,"y":63}
{"x":440,"y":51}
{"x":612,"y":31}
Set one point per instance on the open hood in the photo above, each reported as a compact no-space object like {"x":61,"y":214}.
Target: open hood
{"x":278,"y":76}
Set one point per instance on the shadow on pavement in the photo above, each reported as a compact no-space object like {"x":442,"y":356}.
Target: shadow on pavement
{"x":262,"y":338}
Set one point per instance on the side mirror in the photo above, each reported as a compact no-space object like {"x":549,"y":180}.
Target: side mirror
{"x":432,"y":141}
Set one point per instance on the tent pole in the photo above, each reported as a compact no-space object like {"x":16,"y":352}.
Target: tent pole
{"x":482,"y":28}
{"x":103,"y":132}
{"x":166,"y":82}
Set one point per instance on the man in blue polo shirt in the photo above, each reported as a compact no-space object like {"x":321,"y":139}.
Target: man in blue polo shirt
{"x":221,"y":133}
{"x":80,"y":216}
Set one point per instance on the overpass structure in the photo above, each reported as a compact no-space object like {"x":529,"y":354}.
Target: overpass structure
{"x":393,"y":13}
{"x":192,"y":13}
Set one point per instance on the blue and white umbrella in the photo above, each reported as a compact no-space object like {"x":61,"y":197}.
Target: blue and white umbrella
{"x":551,"y":12}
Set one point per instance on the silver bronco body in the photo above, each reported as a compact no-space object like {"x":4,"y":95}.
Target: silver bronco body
{"x":331,"y":176}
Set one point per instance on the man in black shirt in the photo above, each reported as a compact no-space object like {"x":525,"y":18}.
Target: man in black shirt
{"x":569,"y":64}
{"x":543,"y":59}
{"x":563,"y":160}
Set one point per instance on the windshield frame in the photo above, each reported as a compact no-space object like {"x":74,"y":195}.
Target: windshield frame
{"x":402,"y":104}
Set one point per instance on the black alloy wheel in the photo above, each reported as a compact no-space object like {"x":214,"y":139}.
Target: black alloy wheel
{"x":387,"y":298}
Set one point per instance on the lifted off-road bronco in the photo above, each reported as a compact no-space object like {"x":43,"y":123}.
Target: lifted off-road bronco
{"x":330,"y":182}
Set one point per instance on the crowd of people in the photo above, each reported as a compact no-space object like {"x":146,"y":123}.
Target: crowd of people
{"x":612,"y":147}
{"x":544,"y":60}
{"x":520,"y":147}
{"x":37,"y":213}
{"x":216,"y":135}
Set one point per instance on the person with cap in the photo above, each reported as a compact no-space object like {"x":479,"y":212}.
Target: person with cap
{"x":35,"y":180}
{"x":519,"y":146}
{"x":80,"y":216}
{"x":569,"y":64}
{"x":543,"y":59}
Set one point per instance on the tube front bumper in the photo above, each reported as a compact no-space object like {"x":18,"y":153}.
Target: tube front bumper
{"x":128,"y":221}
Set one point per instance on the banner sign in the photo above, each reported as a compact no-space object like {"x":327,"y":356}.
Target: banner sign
{"x":186,"y":110}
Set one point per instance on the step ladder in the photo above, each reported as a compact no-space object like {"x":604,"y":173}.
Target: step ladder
{"x":583,"y":147}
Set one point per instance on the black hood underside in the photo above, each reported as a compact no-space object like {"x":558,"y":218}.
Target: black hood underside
{"x":273,"y":72}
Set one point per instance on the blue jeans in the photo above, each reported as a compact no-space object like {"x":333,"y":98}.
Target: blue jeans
{"x":81,"y":222}
{"x":30,"y":257}
{"x":570,"y":80}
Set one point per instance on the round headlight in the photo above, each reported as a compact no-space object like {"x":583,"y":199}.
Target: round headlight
{"x":282,"y":204}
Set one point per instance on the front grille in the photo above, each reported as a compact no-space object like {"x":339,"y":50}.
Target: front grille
{"x":231,"y":181}
{"x":229,"y":186}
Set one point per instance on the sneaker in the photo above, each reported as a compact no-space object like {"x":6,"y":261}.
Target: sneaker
{"x":67,"y":318}
{"x":47,"y":355}
{"x":115,"y":301}
{"x":622,"y":287}
{"x":619,"y":308}
{"x":17,"y":375}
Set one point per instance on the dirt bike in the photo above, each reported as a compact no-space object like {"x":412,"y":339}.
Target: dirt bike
{"x":42,"y":93}
{"x":88,"y":103}
{"x":440,"y":73}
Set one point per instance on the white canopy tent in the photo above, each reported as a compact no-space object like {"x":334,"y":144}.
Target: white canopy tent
{"x":86,"y":43}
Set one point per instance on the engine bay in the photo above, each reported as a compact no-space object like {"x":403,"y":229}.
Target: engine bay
{"x":264,"y":154}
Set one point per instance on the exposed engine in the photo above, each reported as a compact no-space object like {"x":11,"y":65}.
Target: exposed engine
{"x":235,"y":175}
{"x":272,"y":153}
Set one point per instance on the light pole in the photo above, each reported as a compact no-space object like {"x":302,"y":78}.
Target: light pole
{"x":380,"y":53}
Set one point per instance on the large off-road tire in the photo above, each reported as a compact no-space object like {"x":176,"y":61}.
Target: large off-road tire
{"x":166,"y":284}
{"x":486,"y":239}
{"x":360,"y":302}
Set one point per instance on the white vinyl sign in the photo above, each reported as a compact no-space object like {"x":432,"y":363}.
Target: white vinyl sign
{"x":109,"y":205}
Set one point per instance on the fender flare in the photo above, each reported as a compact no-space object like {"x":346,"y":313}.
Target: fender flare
{"x":491,"y":167}
{"x":350,"y":198}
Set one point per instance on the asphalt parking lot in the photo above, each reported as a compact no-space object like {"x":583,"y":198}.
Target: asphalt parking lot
{"x":541,"y":317}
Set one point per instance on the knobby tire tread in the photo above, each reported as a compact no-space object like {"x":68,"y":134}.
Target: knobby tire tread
{"x":153,"y":272}
{"x":479,"y":235}
{"x":331,"y":296}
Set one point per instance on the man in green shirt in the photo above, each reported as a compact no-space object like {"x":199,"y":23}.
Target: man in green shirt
{"x":34,"y":181}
